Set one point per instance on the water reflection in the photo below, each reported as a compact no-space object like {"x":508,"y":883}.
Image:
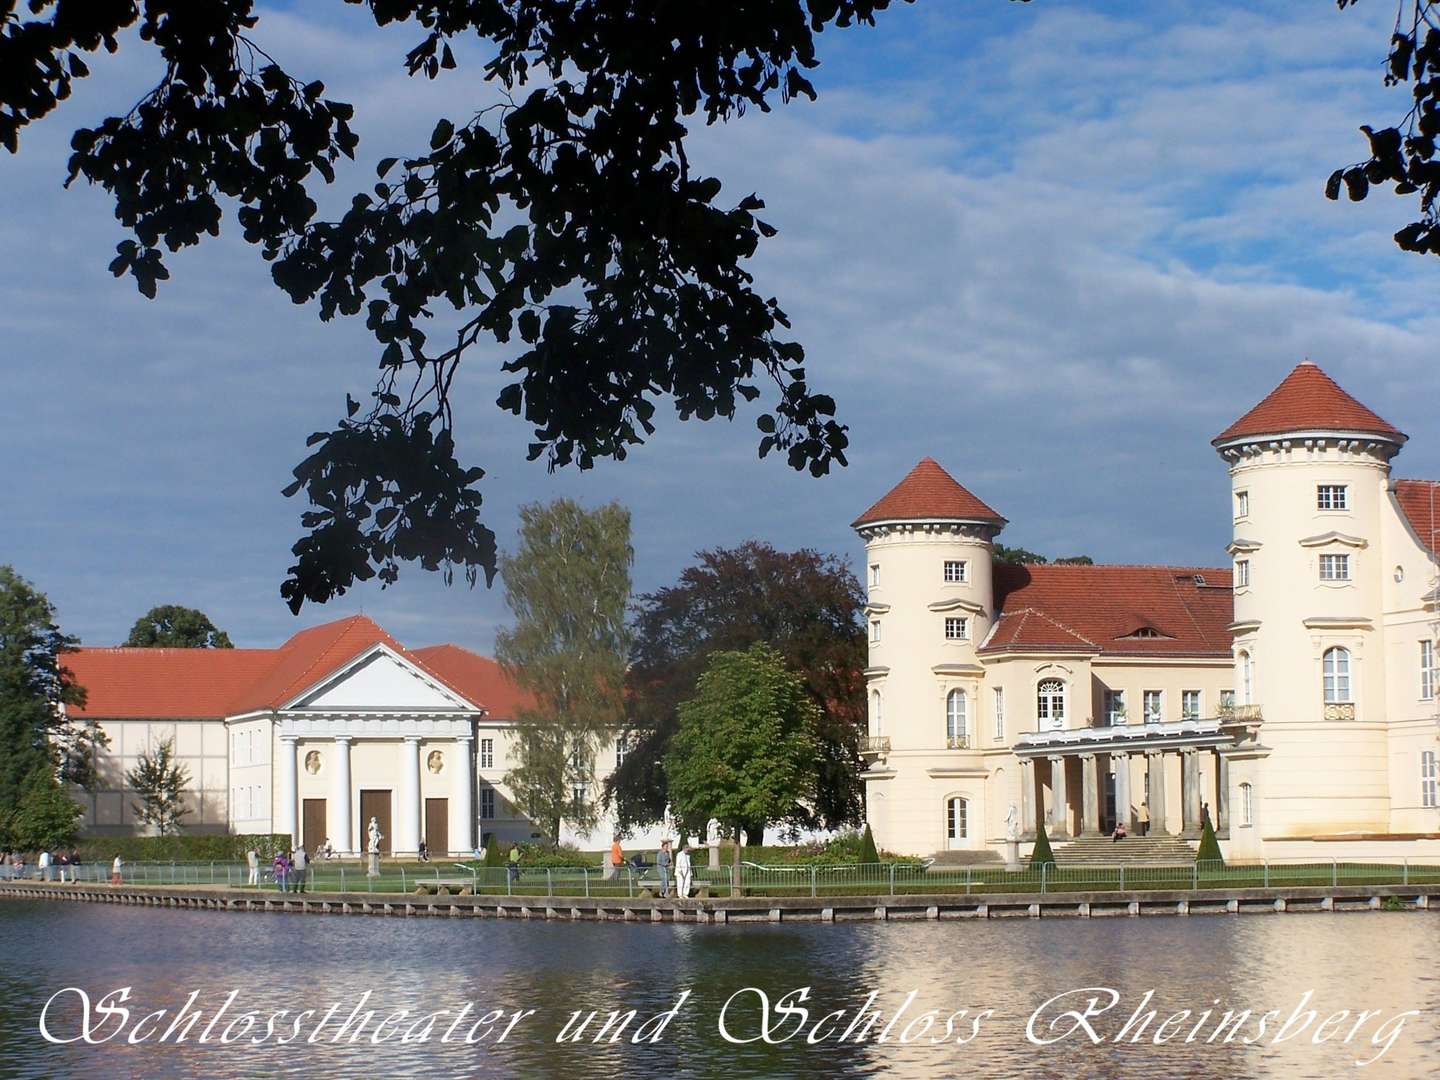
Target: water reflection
{"x":1379,"y":961}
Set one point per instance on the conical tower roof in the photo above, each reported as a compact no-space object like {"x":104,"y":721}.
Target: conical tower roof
{"x":928,"y":493}
{"x":1308,"y":400}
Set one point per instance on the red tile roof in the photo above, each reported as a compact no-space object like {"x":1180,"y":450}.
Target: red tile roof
{"x":1420,"y":503}
{"x":928,"y":493}
{"x":1308,"y":400}
{"x":1100,"y":608}
{"x":214,"y":683}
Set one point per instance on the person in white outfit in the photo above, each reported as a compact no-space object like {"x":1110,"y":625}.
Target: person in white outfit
{"x":252,"y":862}
{"x":44,"y":866}
{"x":683,"y":872}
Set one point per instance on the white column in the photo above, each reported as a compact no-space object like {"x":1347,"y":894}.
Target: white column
{"x":463,"y":785}
{"x":407,"y":828}
{"x":341,"y":814}
{"x":289,"y":787}
{"x":1121,"y":763}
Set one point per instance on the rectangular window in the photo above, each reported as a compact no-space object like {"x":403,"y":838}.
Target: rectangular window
{"x":874,"y":574}
{"x":874,"y":631}
{"x":487,"y":753}
{"x":620,"y":749}
{"x":1154,"y":706}
{"x":1189,"y":704}
{"x":956,"y":629}
{"x":1227,"y":700}
{"x":956,"y":570}
{"x":1429,"y":779}
{"x":1114,"y":707}
{"x":999,"y":714}
{"x":487,"y":803}
{"x":1242,"y":504}
{"x":1428,"y":674}
{"x":1242,"y":573}
{"x":1334,"y":567}
{"x":1332,"y":497}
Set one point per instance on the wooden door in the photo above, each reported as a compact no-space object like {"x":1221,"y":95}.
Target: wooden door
{"x":375,"y":804}
{"x":313,"y":829}
{"x":437,"y":826}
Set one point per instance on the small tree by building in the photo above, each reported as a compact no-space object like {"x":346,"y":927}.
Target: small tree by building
{"x":160,"y":781}
{"x":46,"y":817}
{"x":1209,"y":852}
{"x":1041,"y":855}
{"x":868,"y":854}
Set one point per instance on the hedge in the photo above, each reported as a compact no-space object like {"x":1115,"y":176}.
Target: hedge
{"x":197,"y":847}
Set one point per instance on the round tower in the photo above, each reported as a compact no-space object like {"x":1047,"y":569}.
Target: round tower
{"x":928,"y":574}
{"x":1308,"y":469}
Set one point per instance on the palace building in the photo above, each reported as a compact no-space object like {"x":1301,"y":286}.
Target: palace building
{"x":1291,"y":695}
{"x":338,"y":725}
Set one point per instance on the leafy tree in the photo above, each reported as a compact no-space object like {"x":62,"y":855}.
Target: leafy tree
{"x":1404,"y":155}
{"x":568,"y":586}
{"x":1021,"y":555}
{"x":805,"y":605}
{"x":1040,"y":854}
{"x":35,"y":734}
{"x":1209,"y":850}
{"x":745,"y":748}
{"x":46,"y":817}
{"x":561,"y":210}
{"x":160,"y":781}
{"x":171,"y":626}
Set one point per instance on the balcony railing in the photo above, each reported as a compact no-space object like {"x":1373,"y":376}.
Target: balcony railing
{"x":875,"y":745}
{"x":957,"y":742}
{"x":1240,"y":713}
{"x":1339,"y":710}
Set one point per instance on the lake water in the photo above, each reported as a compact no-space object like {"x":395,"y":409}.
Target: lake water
{"x":1381,"y":962}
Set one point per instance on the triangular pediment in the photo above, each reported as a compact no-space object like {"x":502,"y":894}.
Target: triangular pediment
{"x":380,"y":681}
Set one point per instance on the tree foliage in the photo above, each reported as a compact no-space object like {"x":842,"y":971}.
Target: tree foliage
{"x":45,"y":818}
{"x":568,"y":586}
{"x":160,"y":782}
{"x":560,"y":219}
{"x":806,"y":606}
{"x":744,"y":751}
{"x":1019,"y":555}
{"x":1041,"y":854}
{"x":171,"y":626}
{"x":1209,"y":849}
{"x":35,"y":734}
{"x":1403,"y":155}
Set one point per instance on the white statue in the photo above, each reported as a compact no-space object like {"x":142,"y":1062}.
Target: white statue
{"x":1012,"y":823}
{"x":374,"y":848}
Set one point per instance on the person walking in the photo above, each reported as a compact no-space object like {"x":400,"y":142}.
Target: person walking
{"x":512,"y":865}
{"x":616,"y":860}
{"x":74,"y":866}
{"x":1205,"y":815}
{"x":117,"y":871}
{"x":43,"y":865}
{"x":63,"y":861}
{"x":252,"y":863}
{"x":662,"y":867}
{"x":299,"y":865}
{"x":683,"y":872}
{"x":281,"y":866}
{"x":1142,"y":818}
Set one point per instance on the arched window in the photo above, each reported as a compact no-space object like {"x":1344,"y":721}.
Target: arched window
{"x":1247,"y":680}
{"x":955,"y":709}
{"x":877,"y":715}
{"x":1247,"y":805}
{"x":957,"y":822}
{"x":1050,"y":705}
{"x":1336,"y":664}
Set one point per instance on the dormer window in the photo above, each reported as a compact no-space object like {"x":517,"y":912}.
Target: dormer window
{"x":956,"y":572}
{"x":1332,"y":497}
{"x":1144,"y":632}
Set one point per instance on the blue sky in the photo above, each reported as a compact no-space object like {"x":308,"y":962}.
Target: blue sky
{"x":1056,"y":245}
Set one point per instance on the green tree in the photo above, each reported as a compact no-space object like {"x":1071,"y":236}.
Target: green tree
{"x":805,"y":605}
{"x":559,"y":218}
{"x":171,"y":626}
{"x":1021,"y":555}
{"x":1209,"y":850}
{"x":160,"y":781}
{"x":567,"y":586}
{"x":1040,"y":854}
{"x":46,"y":817}
{"x":35,"y":689}
{"x":868,"y":854}
{"x":745,"y":749}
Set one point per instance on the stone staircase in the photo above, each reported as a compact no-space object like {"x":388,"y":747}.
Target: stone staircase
{"x":967,"y":858}
{"x":1132,"y":851}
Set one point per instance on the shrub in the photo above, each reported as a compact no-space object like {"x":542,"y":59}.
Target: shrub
{"x":1041,"y":855}
{"x":532,"y":854}
{"x":201,"y":847}
{"x":1209,"y":851}
{"x":868,"y":854}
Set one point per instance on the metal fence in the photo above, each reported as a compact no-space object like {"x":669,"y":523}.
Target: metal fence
{"x":896,"y":878}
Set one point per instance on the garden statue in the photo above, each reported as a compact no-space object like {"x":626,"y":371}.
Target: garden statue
{"x":1012,"y":824}
{"x":374,"y":848}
